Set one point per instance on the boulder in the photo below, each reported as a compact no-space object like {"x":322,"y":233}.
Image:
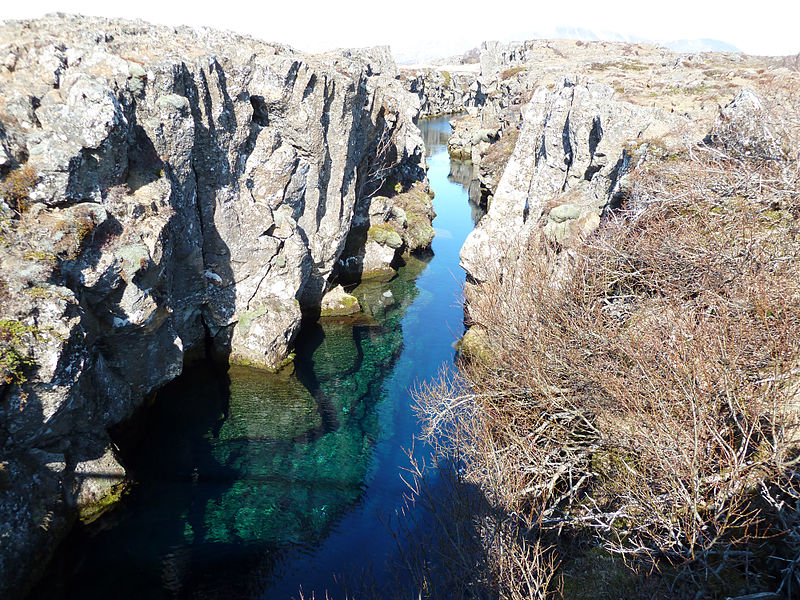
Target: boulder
{"x":338,"y":303}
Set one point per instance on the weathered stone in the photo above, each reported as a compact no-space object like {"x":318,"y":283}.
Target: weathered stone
{"x":396,"y":224}
{"x":377,"y":261}
{"x":573,"y":144}
{"x":337,"y":303}
{"x":442,"y":92}
{"x":97,"y":479}
{"x":474,"y":344}
{"x":564,"y":212}
{"x":190,"y":184}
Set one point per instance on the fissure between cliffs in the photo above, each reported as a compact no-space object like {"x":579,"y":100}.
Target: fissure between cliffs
{"x":251,"y":484}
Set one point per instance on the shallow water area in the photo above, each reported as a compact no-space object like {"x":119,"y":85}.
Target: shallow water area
{"x":252,"y":485}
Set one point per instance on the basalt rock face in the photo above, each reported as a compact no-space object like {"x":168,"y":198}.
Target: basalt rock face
{"x":189,"y":189}
{"x":576,"y":144}
{"x":442,"y":92}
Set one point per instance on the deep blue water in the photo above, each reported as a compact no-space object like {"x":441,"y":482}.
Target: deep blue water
{"x":253,"y":485}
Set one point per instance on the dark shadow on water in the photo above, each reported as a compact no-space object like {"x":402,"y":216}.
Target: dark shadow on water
{"x":250,"y":484}
{"x":235,"y":465}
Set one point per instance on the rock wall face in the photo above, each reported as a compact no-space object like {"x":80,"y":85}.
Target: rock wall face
{"x":441,"y":91}
{"x":188,"y":188}
{"x":576,"y":143}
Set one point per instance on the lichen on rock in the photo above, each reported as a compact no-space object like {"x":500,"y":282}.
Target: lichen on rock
{"x":337,"y":303}
{"x":189,"y":185}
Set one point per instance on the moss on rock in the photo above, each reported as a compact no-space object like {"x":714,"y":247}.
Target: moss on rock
{"x":91,"y":512}
{"x":338,"y":303}
{"x":417,"y":206}
{"x":248,"y":316}
{"x":386,"y":235}
{"x":474,"y":345}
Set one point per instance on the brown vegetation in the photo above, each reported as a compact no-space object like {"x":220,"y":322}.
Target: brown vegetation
{"x":16,"y":187}
{"x":498,"y":154}
{"x":640,"y":399}
{"x":512,"y":72}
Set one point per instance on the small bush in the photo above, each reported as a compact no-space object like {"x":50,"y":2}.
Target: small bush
{"x":16,"y":187}
{"x":512,"y":72}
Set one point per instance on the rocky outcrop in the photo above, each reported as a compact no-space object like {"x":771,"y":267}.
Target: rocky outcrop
{"x":389,"y":227}
{"x":576,"y":144}
{"x":563,"y":120}
{"x":442,"y":91}
{"x":338,"y":303}
{"x":188,"y":189}
{"x":692,"y":85}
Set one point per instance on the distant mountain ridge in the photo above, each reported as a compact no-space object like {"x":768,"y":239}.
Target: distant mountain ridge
{"x":440,"y":48}
{"x":701,"y":45}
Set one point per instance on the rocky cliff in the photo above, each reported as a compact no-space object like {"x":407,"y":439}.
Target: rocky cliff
{"x":443,"y":90}
{"x":166,"y":191}
{"x":563,"y":121}
{"x":576,"y":144}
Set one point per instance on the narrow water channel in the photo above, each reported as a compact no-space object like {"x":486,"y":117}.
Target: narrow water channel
{"x":253,"y":485}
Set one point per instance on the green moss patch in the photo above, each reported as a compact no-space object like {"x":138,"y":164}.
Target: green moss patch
{"x":15,"y":338}
{"x":474,"y":345}
{"x":386,"y":235}
{"x":418,"y":208}
{"x":247,"y":317}
{"x":93,"y":511}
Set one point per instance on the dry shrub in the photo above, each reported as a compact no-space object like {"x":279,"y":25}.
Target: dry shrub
{"x":498,"y":154}
{"x":16,"y":187}
{"x":512,"y":72}
{"x":641,"y":393}
{"x":454,"y":542}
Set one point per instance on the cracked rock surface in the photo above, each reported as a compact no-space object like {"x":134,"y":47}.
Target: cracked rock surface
{"x":573,"y":151}
{"x":188,"y":187}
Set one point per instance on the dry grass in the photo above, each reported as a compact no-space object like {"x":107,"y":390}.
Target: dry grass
{"x":499,"y":153}
{"x":512,"y":72}
{"x":14,"y":189}
{"x":641,"y":394}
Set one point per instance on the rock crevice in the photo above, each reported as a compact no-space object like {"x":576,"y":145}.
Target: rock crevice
{"x":190,"y":187}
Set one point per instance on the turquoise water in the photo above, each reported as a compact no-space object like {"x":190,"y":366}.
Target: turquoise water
{"x":252,"y":485}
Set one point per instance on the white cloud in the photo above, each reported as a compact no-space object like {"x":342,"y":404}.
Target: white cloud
{"x":768,"y":27}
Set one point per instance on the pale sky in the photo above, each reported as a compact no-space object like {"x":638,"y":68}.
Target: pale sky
{"x":764,"y":27}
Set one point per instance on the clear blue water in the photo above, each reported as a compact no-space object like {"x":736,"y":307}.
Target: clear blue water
{"x":252,"y":485}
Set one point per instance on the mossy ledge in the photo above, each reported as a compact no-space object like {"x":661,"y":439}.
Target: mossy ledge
{"x":90,"y":512}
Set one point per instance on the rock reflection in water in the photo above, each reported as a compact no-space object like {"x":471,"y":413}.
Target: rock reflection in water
{"x":464,"y":173}
{"x":238,"y":466}
{"x":435,"y":134}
